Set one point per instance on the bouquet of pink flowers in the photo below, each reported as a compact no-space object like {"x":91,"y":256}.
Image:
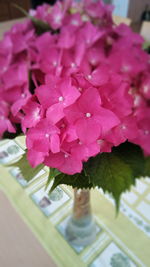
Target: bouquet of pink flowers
{"x":79,"y":86}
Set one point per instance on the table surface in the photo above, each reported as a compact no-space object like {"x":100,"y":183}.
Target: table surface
{"x":32,"y":236}
{"x":18,"y":246}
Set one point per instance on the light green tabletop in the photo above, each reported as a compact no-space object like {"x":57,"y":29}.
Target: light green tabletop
{"x":121,"y":242}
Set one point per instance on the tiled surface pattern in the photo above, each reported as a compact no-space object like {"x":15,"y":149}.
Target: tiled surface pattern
{"x":122,"y":241}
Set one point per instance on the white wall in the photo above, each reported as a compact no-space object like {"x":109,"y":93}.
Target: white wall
{"x":121,"y":7}
{"x":130,"y":8}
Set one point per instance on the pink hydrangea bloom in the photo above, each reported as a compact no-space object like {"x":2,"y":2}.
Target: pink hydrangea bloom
{"x":90,"y":119}
{"x":78,"y":92}
{"x":5,"y":123}
{"x":33,"y":113}
{"x":43,"y":138}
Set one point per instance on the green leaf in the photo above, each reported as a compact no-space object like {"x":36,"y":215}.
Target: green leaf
{"x":27,"y":171}
{"x":114,"y":172}
{"x":57,"y":181}
{"x":110,"y":173}
{"x":147,"y":167}
{"x":52,"y":174}
{"x":40,"y":25}
{"x":79,"y":180}
{"x":132,"y":155}
{"x":146,"y":45}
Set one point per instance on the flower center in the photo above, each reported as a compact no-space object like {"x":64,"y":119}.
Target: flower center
{"x":47,"y":135}
{"x":61,"y":99}
{"x":62,"y":125}
{"x":89,"y":77}
{"x":100,"y":141}
{"x":73,"y":65}
{"x":57,"y":19}
{"x":54,"y":63}
{"x":93,"y":61}
{"x":23,"y":95}
{"x":146,"y":88}
{"x":88,"y":114}
{"x":36,"y":113}
{"x":137,"y":100}
{"x":66,"y":155}
{"x":123,"y":127}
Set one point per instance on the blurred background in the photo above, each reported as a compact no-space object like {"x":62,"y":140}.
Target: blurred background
{"x":136,"y":10}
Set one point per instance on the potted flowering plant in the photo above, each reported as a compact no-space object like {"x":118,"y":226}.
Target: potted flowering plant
{"x":78,"y":86}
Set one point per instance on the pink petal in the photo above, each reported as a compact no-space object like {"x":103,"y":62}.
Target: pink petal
{"x":55,"y":113}
{"x":35,"y":161}
{"x":55,"y":143}
{"x":107,"y":119}
{"x":88,"y":130}
{"x":54,"y":160}
{"x":73,"y":113}
{"x":90,"y":101}
{"x":71,"y":166}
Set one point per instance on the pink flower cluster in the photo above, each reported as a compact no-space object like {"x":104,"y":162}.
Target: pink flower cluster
{"x":92,"y":86}
{"x":14,"y":68}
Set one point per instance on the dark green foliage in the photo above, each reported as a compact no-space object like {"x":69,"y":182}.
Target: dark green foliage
{"x":133,"y":156}
{"x":114,"y":172}
{"x":52,"y":173}
{"x":147,"y":167}
{"x":110,"y":173}
{"x":146,"y":47}
{"x":8,"y":135}
{"x":78,"y":180}
{"x":39,"y":25}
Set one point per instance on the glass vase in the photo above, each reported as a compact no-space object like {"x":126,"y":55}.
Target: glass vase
{"x":81,"y":227}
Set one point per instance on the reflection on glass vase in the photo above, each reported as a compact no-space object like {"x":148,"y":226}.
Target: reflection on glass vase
{"x":81,"y":227}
